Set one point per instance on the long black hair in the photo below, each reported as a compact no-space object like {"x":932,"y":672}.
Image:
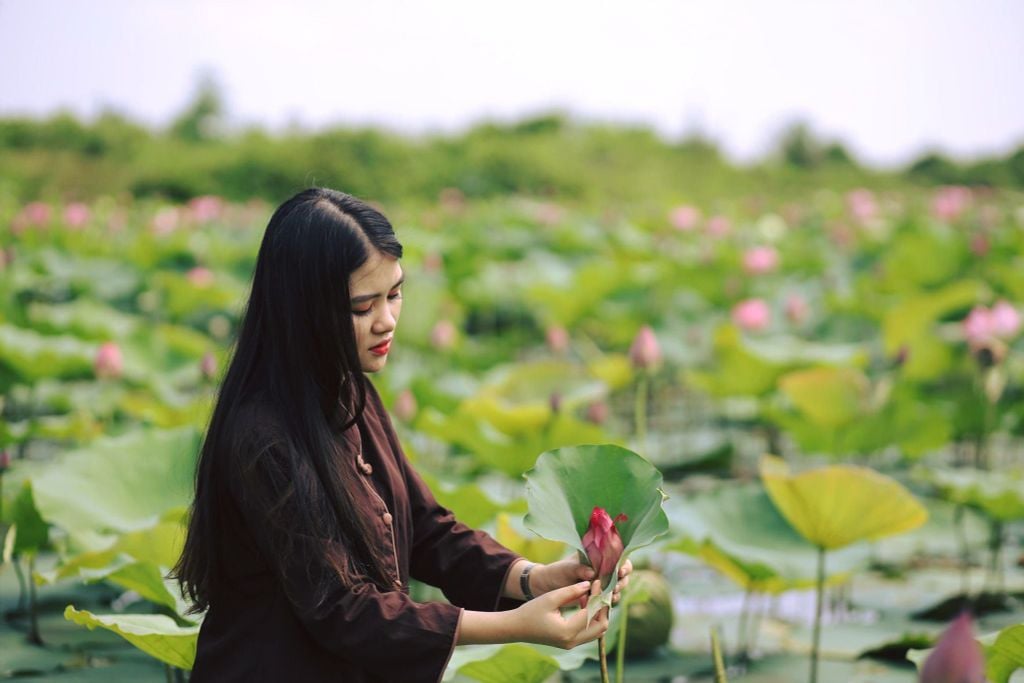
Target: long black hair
{"x":295,"y":355}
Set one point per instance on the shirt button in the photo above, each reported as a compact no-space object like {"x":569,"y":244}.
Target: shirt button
{"x":387,"y":518}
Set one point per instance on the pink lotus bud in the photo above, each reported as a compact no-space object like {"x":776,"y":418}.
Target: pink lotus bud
{"x":443,"y":334}
{"x":980,"y":245}
{"x":797,"y":309}
{"x":37,"y":213}
{"x":405,"y":406}
{"x":109,"y":361}
{"x":645,"y":353}
{"x":452,"y":199}
{"x":208,"y":365}
{"x":5,"y":460}
{"x":76,"y":214}
{"x":957,"y":657}
{"x":200,"y":276}
{"x":206,"y":208}
{"x":684,"y":218}
{"x":861,"y":205}
{"x":978,"y":326}
{"x":432,"y":262}
{"x":557,"y":338}
{"x":718,"y":226}
{"x":165,"y":221}
{"x":949,"y":202}
{"x":752,"y":315}
{"x":549,"y":214}
{"x":597,"y":412}
{"x":602,"y":542}
{"x":760,"y":260}
{"x":1005,"y":320}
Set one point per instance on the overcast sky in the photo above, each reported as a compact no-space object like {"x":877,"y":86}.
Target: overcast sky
{"x":890,"y":78}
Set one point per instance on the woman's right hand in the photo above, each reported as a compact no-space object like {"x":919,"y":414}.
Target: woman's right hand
{"x":543,"y":623}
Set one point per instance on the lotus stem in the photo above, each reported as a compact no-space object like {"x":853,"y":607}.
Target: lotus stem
{"x":620,"y":653}
{"x":744,"y":623}
{"x":33,"y":633}
{"x":716,"y":656}
{"x":816,"y":641}
{"x":604,"y":660}
{"x":640,"y":412}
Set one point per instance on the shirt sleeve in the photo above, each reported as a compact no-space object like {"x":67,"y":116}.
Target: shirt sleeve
{"x":383,"y":632}
{"x":468,"y":565}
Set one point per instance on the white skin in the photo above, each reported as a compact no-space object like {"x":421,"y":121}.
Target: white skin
{"x":375,"y":289}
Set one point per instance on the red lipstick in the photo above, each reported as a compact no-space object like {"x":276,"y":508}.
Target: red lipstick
{"x":381,"y":349}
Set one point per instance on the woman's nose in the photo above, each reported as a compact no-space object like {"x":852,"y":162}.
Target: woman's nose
{"x":385,"y":322}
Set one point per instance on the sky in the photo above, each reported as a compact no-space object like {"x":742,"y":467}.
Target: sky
{"x":890,"y":79}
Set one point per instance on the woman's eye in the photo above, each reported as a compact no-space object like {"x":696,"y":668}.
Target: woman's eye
{"x":365,"y":311}
{"x":396,"y":295}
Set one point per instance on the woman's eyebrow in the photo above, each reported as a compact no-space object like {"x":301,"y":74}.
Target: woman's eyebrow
{"x":369,"y":297}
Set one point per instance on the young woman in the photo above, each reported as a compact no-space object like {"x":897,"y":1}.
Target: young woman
{"x":308,"y":520}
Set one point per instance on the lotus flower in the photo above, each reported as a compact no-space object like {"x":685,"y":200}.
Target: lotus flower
{"x":557,"y":338}
{"x":405,"y":405}
{"x":442,"y":336}
{"x":684,"y":218}
{"x":200,"y":276}
{"x":861,"y":204}
{"x":206,"y":208}
{"x":1005,"y":320}
{"x":208,"y":365}
{"x":957,"y":657}
{"x":37,"y":213}
{"x":752,"y":314}
{"x":760,"y":260}
{"x":645,"y":353}
{"x":76,"y":214}
{"x":109,"y":361}
{"x":949,"y":202}
{"x":602,"y":541}
{"x":718,"y":226}
{"x":797,"y":309}
{"x":5,"y":460}
{"x":597,"y":412}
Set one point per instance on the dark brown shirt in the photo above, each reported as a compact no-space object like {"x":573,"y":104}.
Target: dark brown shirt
{"x":256,"y":631}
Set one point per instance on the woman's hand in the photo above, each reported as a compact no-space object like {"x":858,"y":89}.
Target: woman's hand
{"x":540,"y":620}
{"x":548,"y":577}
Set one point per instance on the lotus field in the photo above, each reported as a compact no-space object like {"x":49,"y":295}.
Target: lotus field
{"x":830,"y":391}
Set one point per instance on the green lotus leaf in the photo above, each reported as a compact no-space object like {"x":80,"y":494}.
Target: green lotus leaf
{"x":35,"y":356}
{"x":737,"y":370}
{"x":837,"y":505}
{"x":117,"y":484}
{"x":155,"y":634}
{"x":32,"y":530}
{"x":829,"y":397}
{"x":566,"y":484}
{"x":998,"y":495}
{"x":513,"y":663}
{"x":537,"y":549}
{"x":737,"y":530}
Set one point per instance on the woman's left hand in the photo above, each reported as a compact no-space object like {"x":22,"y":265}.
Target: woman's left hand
{"x":549,"y":577}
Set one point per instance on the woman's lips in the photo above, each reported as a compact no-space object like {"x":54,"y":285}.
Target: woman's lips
{"x":381,"y":349}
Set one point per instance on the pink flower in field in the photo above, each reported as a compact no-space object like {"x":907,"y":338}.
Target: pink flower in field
{"x":557,"y":338}
{"x":752,"y":315}
{"x":208,"y":365}
{"x":37,"y":213}
{"x":206,"y":208}
{"x":949,"y":202}
{"x":549,"y":214}
{"x":982,"y":325}
{"x":980,"y":244}
{"x":684,"y":218}
{"x":76,"y":214}
{"x":797,"y":309}
{"x":644,"y":353}
{"x":109,"y":362}
{"x":165,"y":221}
{"x":405,"y":406}
{"x":1005,"y":320}
{"x":602,"y":542}
{"x":442,"y":336}
{"x":597,"y":412}
{"x":760,"y":260}
{"x":718,"y":226}
{"x":861,"y":205}
{"x":5,"y":460}
{"x":432,"y":262}
{"x":200,"y":276}
{"x":957,"y":657}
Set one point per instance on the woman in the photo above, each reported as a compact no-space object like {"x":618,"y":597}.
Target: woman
{"x":308,"y":520}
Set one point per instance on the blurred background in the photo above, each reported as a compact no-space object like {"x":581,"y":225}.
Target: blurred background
{"x":704,"y":231}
